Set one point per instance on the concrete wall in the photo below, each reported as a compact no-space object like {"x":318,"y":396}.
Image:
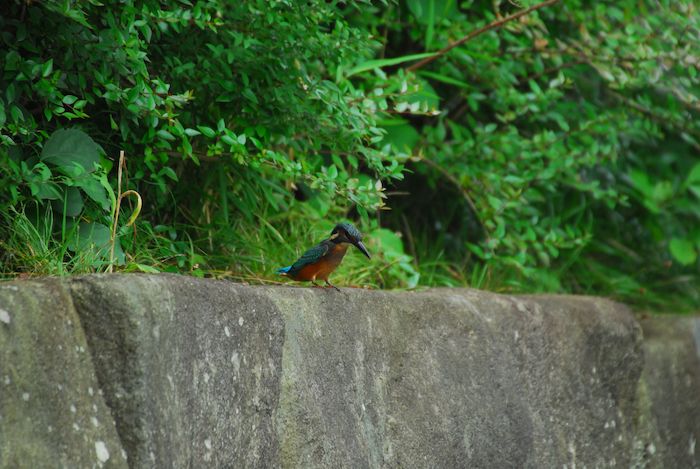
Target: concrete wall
{"x":169,"y":371}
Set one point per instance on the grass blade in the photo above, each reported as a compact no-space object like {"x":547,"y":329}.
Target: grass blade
{"x":381,"y":63}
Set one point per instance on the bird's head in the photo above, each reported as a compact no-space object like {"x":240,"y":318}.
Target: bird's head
{"x":347,"y":233}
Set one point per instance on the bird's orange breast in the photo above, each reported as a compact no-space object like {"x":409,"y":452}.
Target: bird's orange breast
{"x":321,"y":269}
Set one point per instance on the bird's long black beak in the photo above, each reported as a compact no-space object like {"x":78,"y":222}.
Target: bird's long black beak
{"x":362,"y":248}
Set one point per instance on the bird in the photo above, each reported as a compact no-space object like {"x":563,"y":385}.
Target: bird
{"x":321,"y":260}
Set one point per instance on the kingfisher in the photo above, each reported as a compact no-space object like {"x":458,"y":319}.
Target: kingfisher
{"x":321,"y":260}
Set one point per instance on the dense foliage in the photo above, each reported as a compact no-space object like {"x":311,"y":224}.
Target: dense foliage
{"x":557,"y":152}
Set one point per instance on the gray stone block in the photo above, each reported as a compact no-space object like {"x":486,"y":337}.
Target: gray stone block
{"x":52,"y":412}
{"x":203,"y":373}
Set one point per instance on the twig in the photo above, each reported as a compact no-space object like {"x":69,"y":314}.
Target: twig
{"x":492,"y":25}
{"x":115,"y":219}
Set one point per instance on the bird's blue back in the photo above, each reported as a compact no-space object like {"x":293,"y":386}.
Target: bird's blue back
{"x":311,"y":256}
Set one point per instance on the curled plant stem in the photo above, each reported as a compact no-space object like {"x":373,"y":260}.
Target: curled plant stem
{"x":137,"y":210}
{"x":115,"y":217}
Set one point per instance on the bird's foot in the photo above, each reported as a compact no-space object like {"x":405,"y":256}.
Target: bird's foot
{"x":330,"y":285}
{"x":316,"y":285}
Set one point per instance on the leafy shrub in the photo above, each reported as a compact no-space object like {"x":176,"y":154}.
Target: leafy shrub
{"x":565,"y":152}
{"x":557,"y":152}
{"x":233,"y":98}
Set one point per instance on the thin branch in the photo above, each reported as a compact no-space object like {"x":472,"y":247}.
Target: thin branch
{"x":115,"y":220}
{"x":492,"y":25}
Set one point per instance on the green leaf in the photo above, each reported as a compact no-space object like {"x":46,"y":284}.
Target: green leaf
{"x":695,"y":190}
{"x":248,"y":94}
{"x":640,"y":181}
{"x":207,"y":131}
{"x":430,"y":11}
{"x":430,"y":20}
{"x":165,"y":135}
{"x":445,"y":79}
{"x":47,"y":191}
{"x":47,"y":68}
{"x":476,"y":249}
{"x":663,"y":190}
{"x":693,"y":178}
{"x":95,"y":190}
{"x":320,"y":203}
{"x":73,"y":205}
{"x":68,"y":147}
{"x":94,"y":238}
{"x":102,"y":179}
{"x":381,"y":63}
{"x":426,"y":96}
{"x":400,"y":134}
{"x":332,"y":172}
{"x":683,"y":251}
{"x":147,"y":269}
{"x":169,"y":172}
{"x":389,"y":242}
{"x":16,"y":113}
{"x":495,"y":202}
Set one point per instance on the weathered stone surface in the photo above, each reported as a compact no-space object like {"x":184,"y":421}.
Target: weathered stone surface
{"x":202,"y":373}
{"x":670,"y":392}
{"x":452,"y":378}
{"x":191,"y":368}
{"x":52,"y":413}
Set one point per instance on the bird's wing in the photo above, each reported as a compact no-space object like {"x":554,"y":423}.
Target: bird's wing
{"x":309,"y":257}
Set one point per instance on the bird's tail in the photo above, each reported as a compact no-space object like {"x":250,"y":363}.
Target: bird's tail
{"x":284,"y":270}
